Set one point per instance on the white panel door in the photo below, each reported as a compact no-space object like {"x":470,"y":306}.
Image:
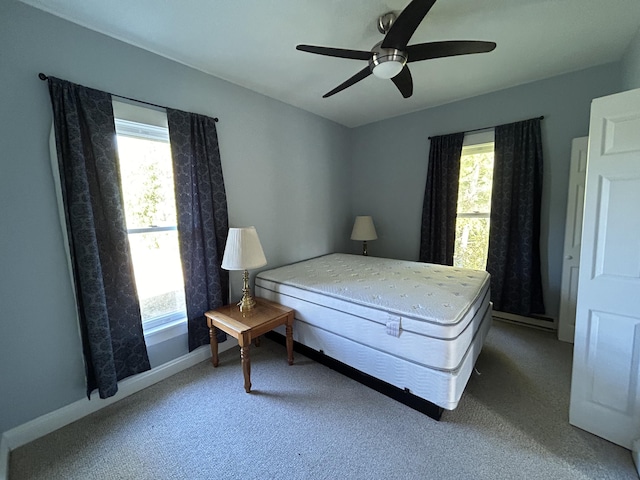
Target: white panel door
{"x":605,"y":387}
{"x":572,"y":239}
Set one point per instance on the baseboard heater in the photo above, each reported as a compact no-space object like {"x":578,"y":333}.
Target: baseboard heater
{"x":539,"y":321}
{"x":403,"y":396}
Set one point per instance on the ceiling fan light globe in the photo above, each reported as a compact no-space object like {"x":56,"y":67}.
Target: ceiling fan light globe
{"x":388,"y":69}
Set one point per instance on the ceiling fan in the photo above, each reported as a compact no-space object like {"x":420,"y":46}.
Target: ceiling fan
{"x":388,"y":59}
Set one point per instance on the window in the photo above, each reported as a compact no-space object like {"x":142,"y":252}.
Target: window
{"x":149,"y":201}
{"x":474,"y":206}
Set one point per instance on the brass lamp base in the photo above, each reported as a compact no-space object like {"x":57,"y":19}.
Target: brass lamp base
{"x":364,"y":248}
{"x":247,"y":302}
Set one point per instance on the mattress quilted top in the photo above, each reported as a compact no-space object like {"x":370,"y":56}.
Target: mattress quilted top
{"x":435,"y":293}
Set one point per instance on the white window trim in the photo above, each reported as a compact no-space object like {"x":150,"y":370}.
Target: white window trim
{"x":164,"y":332}
{"x":473,"y":215}
{"x":153,"y":229}
{"x":128,"y":128}
{"x":478,"y":138}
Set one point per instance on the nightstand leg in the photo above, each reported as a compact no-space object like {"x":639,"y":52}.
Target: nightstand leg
{"x":246,"y":367}
{"x":289,"y":332}
{"x":213,"y":340}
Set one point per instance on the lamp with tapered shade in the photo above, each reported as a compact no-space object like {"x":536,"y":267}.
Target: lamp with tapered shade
{"x":364,"y":231}
{"x":244,"y":252}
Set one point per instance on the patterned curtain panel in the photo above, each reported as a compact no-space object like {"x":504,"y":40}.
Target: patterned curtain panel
{"x":203,"y":221}
{"x":438,"y":232}
{"x":108,"y":307}
{"x":514,"y":236}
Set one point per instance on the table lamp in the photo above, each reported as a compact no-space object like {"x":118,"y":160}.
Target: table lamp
{"x":243,"y":252}
{"x":364,"y":230}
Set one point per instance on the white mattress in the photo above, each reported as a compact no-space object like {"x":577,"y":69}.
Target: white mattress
{"x":348,"y":305}
{"x":439,"y":308}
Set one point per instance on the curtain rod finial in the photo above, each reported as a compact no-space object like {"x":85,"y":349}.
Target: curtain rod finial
{"x":42,"y":76}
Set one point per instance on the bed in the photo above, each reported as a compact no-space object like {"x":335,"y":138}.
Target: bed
{"x":412,"y":330}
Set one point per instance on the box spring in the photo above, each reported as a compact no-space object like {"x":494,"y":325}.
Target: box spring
{"x":347,"y":307}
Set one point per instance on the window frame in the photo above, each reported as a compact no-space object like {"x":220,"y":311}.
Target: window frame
{"x":476,"y":143}
{"x":146,"y":123}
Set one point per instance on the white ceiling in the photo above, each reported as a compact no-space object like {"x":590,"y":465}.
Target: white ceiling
{"x":252,"y":43}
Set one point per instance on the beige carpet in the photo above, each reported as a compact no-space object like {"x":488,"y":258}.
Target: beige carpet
{"x":307,"y":421}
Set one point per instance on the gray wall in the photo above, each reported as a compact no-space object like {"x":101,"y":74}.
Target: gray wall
{"x":283,"y":167}
{"x":631,"y":64}
{"x":390,"y":160}
{"x":298,"y":178}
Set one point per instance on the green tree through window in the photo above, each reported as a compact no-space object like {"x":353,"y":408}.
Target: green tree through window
{"x":474,"y":207}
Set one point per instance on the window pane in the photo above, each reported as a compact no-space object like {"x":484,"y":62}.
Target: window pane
{"x":146,"y":173}
{"x":147,"y":182}
{"x":476,"y":178}
{"x":159,"y":280}
{"x":474,"y":206}
{"x":472,"y":242}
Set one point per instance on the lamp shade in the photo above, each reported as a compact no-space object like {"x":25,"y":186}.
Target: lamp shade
{"x":243,"y":250}
{"x":363,"y":229}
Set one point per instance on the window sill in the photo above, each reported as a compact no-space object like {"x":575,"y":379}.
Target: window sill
{"x":166,"y":331}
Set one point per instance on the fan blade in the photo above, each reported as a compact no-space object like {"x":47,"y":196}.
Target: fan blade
{"x":335,"y":52}
{"x":406,"y":24}
{"x":404,"y":82}
{"x":426,"y":51}
{"x":362,"y":74}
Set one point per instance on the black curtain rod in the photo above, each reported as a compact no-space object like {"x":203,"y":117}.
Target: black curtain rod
{"x":541,"y":117}
{"x":43,"y":77}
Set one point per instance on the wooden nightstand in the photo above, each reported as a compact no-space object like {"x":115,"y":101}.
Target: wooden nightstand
{"x":245,"y":327}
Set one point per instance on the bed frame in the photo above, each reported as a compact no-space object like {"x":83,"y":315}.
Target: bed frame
{"x":403,"y":396}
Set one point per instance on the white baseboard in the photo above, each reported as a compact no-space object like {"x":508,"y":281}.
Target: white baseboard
{"x":45,"y":424}
{"x":545,"y":323}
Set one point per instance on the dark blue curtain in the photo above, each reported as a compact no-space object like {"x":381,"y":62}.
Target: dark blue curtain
{"x":438,"y":231}
{"x":514,"y":236}
{"x":108,"y":307}
{"x":203,"y":221}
